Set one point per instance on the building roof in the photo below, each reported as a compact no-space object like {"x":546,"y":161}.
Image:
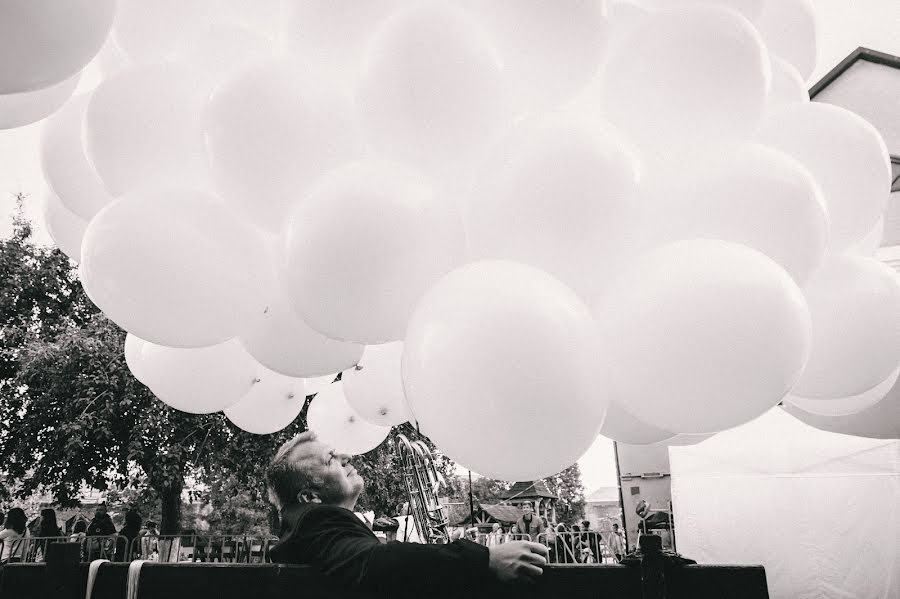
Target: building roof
{"x":603,"y":495}
{"x":530,"y":489}
{"x":505,"y":514}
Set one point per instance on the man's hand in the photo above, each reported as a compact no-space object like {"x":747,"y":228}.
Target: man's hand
{"x":518,"y":560}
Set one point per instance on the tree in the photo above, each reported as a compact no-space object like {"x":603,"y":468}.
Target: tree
{"x":72,"y":414}
{"x":567,"y":486}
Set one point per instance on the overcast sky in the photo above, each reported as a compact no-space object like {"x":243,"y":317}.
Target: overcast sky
{"x":846,"y":24}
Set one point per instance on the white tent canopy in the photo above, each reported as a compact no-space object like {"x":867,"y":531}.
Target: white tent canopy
{"x":820,"y":510}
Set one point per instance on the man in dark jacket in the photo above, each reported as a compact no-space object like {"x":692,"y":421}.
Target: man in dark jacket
{"x":316,"y":489}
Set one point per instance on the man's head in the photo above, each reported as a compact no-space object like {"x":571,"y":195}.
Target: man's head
{"x":528,"y":509}
{"x":305,"y":470}
{"x":585,"y":524}
{"x":100,"y":511}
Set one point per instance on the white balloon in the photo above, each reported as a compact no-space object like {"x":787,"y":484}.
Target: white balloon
{"x":745,"y":193}
{"x":281,"y":341}
{"x":724,"y":331}
{"x":133,"y":356}
{"x":333,"y":34}
{"x":43,"y":42}
{"x":881,"y":421}
{"x":271,"y":129}
{"x":488,"y":349}
{"x":622,"y":427}
{"x":686,"y":439}
{"x":432,"y":92}
{"x":791,"y":31}
{"x":199,"y":380}
{"x":847,"y":157}
{"x":337,"y":424}
{"x":869,"y":244}
{"x":375,"y":388}
{"x":222,"y":49}
{"x":24,"y":108}
{"x":363,"y":246}
{"x":65,"y":165}
{"x":152,"y":31}
{"x":788,"y":86}
{"x":847,"y":405}
{"x":683,"y":78}
{"x":272,"y":403}
{"x":65,"y":228}
{"x":556,"y":194}
{"x":855,"y":327}
{"x":751,"y":9}
{"x":142,"y":127}
{"x":174,"y":267}
{"x":549,"y":50}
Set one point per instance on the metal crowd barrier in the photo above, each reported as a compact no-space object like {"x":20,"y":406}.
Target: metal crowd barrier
{"x":237,"y":549}
{"x":32,"y":550}
{"x":577,"y":548}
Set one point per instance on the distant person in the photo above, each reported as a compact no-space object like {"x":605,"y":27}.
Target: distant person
{"x":126,"y":550}
{"x":150,"y":542}
{"x":48,"y":531}
{"x":616,"y":543}
{"x":496,"y":536}
{"x":529,"y":524}
{"x":11,"y":543}
{"x":592,"y":541}
{"x":563,"y":546}
{"x":101,"y":526}
{"x":79,"y":531}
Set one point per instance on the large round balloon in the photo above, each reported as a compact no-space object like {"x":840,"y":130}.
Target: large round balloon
{"x":142,"y":127}
{"x":847,"y":157}
{"x":174,"y":267}
{"x":271,"y":129}
{"x":65,"y":228}
{"x":556,"y":194}
{"x":281,"y":341}
{"x":154,"y":31}
{"x":622,"y":427}
{"x":871,"y":241}
{"x":791,"y":32}
{"x":272,"y":403}
{"x":222,"y":49}
{"x":855,"y":327}
{"x":43,"y":42}
{"x":432,"y":93}
{"x":200,"y":380}
{"x":363,"y":246}
{"x":24,"y":108}
{"x":133,"y":356}
{"x":845,"y":405}
{"x":333,"y":34}
{"x":337,"y":424}
{"x":549,"y":50}
{"x":723,"y":329}
{"x":681,"y":78}
{"x":881,"y":421}
{"x":486,"y":350}
{"x":788,"y":87}
{"x":375,"y":388}
{"x":317,"y":383}
{"x":748,"y":194}
{"x":65,"y":165}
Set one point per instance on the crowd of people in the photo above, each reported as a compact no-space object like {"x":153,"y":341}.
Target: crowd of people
{"x":99,"y":537}
{"x":567,"y":544}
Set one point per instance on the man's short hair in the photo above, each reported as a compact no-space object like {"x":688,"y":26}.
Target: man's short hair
{"x":286,"y":478}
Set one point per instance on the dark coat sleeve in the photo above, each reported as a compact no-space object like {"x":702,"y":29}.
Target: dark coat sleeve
{"x":334,"y":541}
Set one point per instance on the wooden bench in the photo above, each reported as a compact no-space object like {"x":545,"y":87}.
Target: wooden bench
{"x":652,"y":578}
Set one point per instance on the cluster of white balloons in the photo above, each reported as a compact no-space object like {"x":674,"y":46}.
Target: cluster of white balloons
{"x":520,"y":223}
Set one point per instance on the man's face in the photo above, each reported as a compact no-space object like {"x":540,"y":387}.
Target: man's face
{"x":528,"y":509}
{"x":100,"y":511}
{"x":340,"y":481}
